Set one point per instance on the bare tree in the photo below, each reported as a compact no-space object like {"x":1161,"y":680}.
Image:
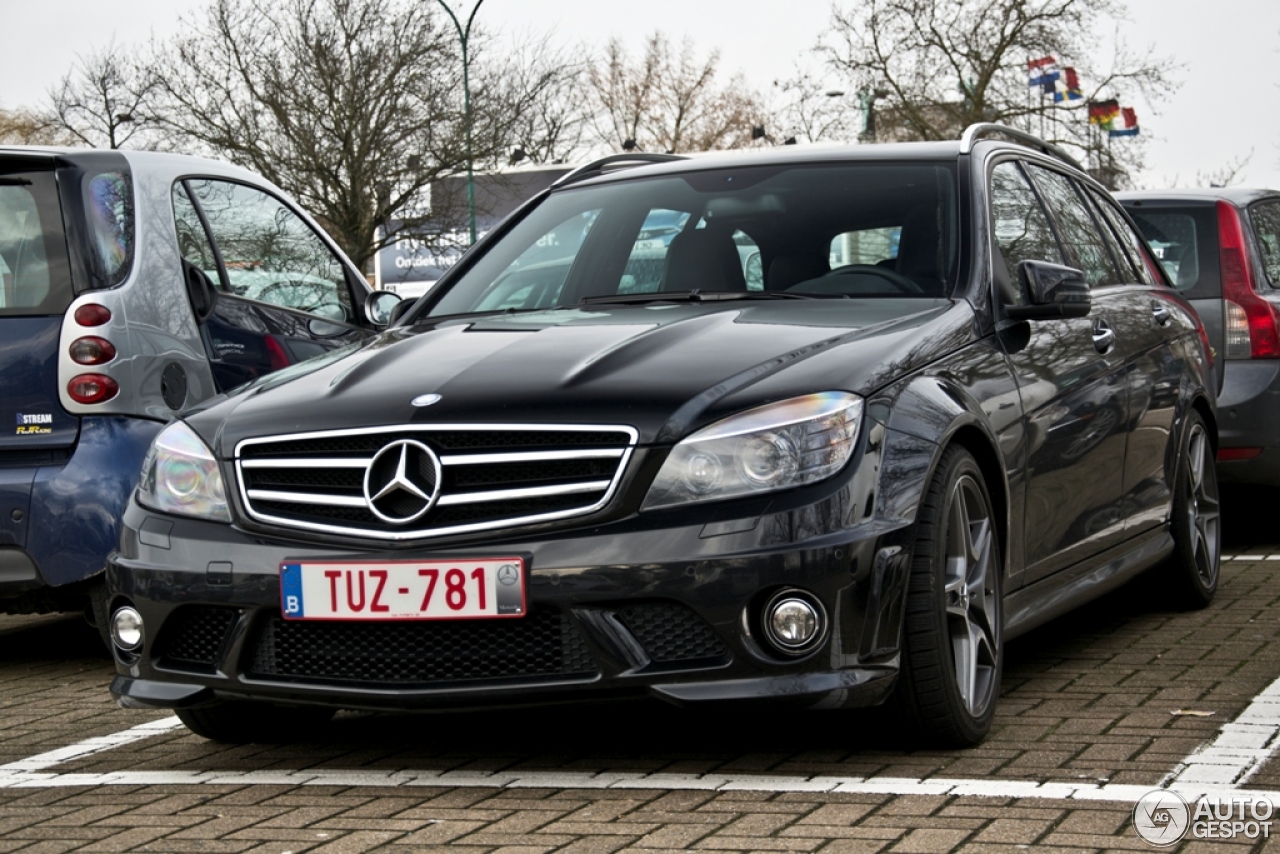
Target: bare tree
{"x":669,"y":100}
{"x":26,"y":127}
{"x":100,"y":102}
{"x":353,"y":106}
{"x":941,"y":65}
{"x":553,"y":84}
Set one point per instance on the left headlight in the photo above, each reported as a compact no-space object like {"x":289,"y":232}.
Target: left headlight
{"x":778,"y":446}
{"x":181,"y":476}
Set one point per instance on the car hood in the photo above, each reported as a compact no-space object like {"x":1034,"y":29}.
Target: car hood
{"x":663,"y":369}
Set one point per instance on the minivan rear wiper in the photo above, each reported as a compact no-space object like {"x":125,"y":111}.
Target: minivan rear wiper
{"x":692,"y":296}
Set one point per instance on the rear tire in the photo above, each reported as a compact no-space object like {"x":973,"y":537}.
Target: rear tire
{"x":245,"y":722}
{"x":1191,"y":573}
{"x":952,"y":654}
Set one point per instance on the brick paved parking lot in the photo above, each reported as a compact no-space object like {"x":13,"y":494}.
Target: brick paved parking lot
{"x":1098,"y":708}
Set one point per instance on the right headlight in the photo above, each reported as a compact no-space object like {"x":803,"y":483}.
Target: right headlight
{"x":778,"y":446}
{"x":180,"y":475}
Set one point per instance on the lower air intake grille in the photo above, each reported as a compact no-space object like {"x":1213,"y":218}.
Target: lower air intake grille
{"x":543,"y":644}
{"x":670,"y":633}
{"x":192,"y":637}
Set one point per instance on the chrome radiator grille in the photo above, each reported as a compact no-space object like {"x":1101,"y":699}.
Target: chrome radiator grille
{"x":402,"y":483}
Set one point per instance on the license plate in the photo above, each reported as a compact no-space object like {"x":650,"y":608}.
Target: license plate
{"x":403,"y":590}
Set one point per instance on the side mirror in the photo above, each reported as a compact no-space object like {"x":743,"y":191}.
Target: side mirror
{"x":1056,"y":291}
{"x":379,"y":307}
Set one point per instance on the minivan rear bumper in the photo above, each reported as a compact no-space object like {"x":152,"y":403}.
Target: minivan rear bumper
{"x":1249,"y":417}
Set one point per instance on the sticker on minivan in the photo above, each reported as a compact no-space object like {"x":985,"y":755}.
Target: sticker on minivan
{"x":34,"y":423}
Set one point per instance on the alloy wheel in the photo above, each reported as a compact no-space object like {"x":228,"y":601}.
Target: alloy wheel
{"x":1202,"y":505}
{"x":970,"y":596}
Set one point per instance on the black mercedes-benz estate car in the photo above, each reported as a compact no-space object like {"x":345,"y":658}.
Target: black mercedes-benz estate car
{"x":872,"y":412}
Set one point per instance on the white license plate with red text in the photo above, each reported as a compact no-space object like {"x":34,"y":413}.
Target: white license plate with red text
{"x":403,"y":590}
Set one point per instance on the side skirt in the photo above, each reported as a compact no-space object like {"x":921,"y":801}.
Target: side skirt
{"x":1054,"y":596}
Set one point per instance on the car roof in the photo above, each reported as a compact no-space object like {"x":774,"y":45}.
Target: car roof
{"x":155,"y":162}
{"x":1240,"y":196}
{"x":778,"y":156}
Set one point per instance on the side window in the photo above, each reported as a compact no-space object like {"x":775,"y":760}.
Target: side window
{"x":1174,"y":239}
{"x":1080,"y":234}
{"x":1124,"y":262}
{"x":867,"y":246}
{"x":1131,"y":242}
{"x":193,"y":243}
{"x":1022,"y":231}
{"x":643,"y":271}
{"x":269,"y":253}
{"x":1265,"y":217}
{"x":535,"y":278}
{"x":108,"y":199}
{"x":749,"y":255}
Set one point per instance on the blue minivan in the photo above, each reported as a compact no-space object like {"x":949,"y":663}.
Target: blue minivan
{"x":134,"y":286}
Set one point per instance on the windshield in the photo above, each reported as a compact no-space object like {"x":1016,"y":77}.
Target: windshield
{"x":35,"y":278}
{"x":852,"y":230}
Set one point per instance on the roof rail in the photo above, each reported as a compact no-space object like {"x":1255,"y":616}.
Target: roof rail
{"x":977,"y":131}
{"x":597,"y":167}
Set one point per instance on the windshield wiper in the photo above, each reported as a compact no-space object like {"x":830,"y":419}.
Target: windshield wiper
{"x":692,"y":296}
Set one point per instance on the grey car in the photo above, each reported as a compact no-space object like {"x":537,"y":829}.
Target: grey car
{"x":1221,"y":250}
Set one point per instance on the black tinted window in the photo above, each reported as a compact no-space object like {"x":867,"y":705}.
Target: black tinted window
{"x":1083,"y":240}
{"x":758,"y":228}
{"x":35,"y":277}
{"x":1130,"y":251}
{"x":1021,"y":229}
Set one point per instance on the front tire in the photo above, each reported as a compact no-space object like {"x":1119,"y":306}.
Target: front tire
{"x":952,"y":654}
{"x":1192,"y":572}
{"x":247,"y":722}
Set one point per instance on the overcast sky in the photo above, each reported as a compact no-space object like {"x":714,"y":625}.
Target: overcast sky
{"x":1228,"y":108}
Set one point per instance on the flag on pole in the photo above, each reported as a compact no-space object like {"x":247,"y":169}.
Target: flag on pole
{"x":1042,"y":72}
{"x":1068,"y":86}
{"x":1104,"y":113}
{"x":1129,"y":117}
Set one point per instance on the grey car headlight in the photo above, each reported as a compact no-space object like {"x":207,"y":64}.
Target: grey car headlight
{"x":778,"y":446}
{"x":180,"y":475}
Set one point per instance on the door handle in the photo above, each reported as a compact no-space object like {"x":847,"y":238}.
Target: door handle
{"x":1161,"y":313}
{"x":1103,"y":336}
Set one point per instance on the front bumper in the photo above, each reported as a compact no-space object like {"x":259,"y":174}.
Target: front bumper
{"x":629,"y":609}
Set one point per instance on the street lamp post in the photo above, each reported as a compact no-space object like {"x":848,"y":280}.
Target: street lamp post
{"x":464,"y":34}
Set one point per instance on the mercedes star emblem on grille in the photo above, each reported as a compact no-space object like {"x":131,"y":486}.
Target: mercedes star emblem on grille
{"x":402,"y":481}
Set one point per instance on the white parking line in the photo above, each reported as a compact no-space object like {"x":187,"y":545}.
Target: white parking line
{"x":1218,"y":768}
{"x":92,"y":745}
{"x":1241,"y":748}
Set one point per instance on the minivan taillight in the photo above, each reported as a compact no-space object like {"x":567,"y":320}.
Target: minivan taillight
{"x":92,"y":388}
{"x":1250,"y":320}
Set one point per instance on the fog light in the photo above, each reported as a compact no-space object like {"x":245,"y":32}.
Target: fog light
{"x":794,"y":621}
{"x":126,"y":628}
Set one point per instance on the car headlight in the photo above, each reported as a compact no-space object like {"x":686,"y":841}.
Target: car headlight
{"x":773,"y":447}
{"x":181,"y":476}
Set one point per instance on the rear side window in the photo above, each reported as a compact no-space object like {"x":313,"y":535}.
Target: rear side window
{"x":35,"y":276}
{"x":108,"y":204}
{"x":1265,"y":217}
{"x":1078,"y":230}
{"x":1185,"y":242}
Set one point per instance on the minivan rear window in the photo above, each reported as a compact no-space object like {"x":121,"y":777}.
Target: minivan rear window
{"x":35,"y":276}
{"x":1185,"y":242}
